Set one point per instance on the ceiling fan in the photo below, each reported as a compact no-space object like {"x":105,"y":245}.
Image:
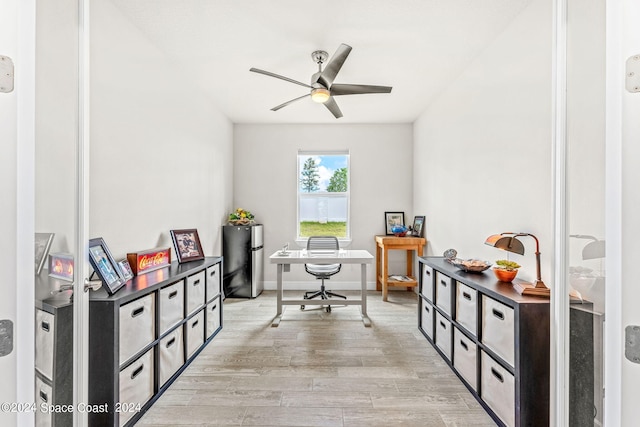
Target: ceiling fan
{"x":322,"y":87}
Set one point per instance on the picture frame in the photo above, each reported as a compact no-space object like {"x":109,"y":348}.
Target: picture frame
{"x":42,"y":245}
{"x":187,"y":245}
{"x":125,"y":269}
{"x":418,"y":226}
{"x":105,"y":266}
{"x":391,"y":219}
{"x":61,"y":266}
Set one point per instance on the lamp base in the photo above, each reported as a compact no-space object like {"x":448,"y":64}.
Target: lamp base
{"x":538,"y":290}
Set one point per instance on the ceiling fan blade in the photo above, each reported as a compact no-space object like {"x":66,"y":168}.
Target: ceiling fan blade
{"x":334,"y":65}
{"x":333,"y":107}
{"x":276,"y":108}
{"x":347,"y":89}
{"x":278,"y":76}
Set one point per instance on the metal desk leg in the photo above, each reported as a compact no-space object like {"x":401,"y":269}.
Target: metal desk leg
{"x":363,"y":296}
{"x":276,"y":320}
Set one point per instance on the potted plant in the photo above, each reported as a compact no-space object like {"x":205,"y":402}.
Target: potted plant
{"x":506,"y":270}
{"x":241,"y":217}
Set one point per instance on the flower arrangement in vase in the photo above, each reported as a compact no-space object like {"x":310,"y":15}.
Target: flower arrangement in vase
{"x":241,"y":217}
{"x":506,"y":270}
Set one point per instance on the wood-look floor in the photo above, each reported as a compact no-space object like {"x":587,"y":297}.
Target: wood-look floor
{"x":318,"y":369}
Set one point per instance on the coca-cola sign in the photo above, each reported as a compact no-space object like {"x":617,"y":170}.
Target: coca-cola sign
{"x":149,"y":260}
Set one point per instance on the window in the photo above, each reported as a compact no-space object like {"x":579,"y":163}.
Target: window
{"x":323,"y":194}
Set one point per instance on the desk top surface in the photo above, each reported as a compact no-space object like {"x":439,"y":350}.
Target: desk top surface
{"x":303,"y":256}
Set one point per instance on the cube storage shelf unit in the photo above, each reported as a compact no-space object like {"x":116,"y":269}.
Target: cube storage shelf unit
{"x":54,"y":353}
{"x":144,"y":336}
{"x":494,"y":339}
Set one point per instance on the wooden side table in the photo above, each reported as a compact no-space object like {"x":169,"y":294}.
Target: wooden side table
{"x":386,"y":243}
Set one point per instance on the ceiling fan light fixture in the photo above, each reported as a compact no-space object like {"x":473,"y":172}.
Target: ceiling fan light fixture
{"x":320,"y":95}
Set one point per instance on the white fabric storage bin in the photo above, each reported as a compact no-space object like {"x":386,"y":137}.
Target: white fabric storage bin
{"x":443,"y":292}
{"x":443,"y":335}
{"x":136,"y":385}
{"x":498,"y":328}
{"x":465,"y":357}
{"x":194,"y":333}
{"x":43,"y":397}
{"x":171,"y":306}
{"x":194,"y":289}
{"x":137,"y":327}
{"x":467,"y":307}
{"x":427,"y":282}
{"x":427,"y":318}
{"x":213,"y":281}
{"x":497,"y":389}
{"x":171,"y":350}
{"x":213,"y":316}
{"x":45,"y":332}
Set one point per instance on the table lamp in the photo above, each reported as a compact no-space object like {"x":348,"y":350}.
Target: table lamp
{"x":508,"y":241}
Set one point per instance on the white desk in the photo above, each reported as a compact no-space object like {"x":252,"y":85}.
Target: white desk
{"x":330,"y":257}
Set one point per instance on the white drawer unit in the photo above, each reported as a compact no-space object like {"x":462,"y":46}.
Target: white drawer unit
{"x":171,"y":306}
{"x":213,"y":281}
{"x":465,"y":357}
{"x":44,"y":394}
{"x":497,"y":389}
{"x":171,"y":355}
{"x":427,"y":282}
{"x":194,"y":290}
{"x":45,"y":333}
{"x":213,"y":316}
{"x":427,"y":318}
{"x":443,"y":335}
{"x":137,"y":326}
{"x":136,"y":386}
{"x":467,"y":307}
{"x":443,"y":292}
{"x":194,"y":333}
{"x":498,"y":328}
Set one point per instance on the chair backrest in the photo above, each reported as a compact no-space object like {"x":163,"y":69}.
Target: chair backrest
{"x":322,"y":244}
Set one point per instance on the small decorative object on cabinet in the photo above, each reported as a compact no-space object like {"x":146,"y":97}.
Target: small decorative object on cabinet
{"x":143,"y":338}
{"x":149,"y":260}
{"x":391,"y":219}
{"x":506,"y":270}
{"x":104,"y":265}
{"x":187,"y":245}
{"x":61,"y":266}
{"x":241,"y":217}
{"x":493,"y":338}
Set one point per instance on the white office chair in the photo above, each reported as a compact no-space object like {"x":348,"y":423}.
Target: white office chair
{"x":321,"y":244}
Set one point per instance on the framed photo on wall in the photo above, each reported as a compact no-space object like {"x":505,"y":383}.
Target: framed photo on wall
{"x":391,"y":219}
{"x":187,"y":245}
{"x":105,"y":266}
{"x":418,"y":226}
{"x":42,"y":245}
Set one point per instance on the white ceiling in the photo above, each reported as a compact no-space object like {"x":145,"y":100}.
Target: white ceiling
{"x":416,"y":46}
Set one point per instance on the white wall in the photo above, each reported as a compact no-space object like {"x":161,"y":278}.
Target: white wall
{"x":265,"y":180}
{"x":482,"y":150}
{"x":161,"y":154}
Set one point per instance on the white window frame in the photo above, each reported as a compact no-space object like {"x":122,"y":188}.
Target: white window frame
{"x":344,"y":241}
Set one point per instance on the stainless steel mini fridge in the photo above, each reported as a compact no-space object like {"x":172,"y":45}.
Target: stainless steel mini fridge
{"x":243,"y":252}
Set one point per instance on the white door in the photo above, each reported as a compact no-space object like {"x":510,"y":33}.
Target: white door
{"x":44,"y":150}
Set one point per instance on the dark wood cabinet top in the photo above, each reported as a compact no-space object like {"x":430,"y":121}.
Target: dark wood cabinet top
{"x":484,"y":282}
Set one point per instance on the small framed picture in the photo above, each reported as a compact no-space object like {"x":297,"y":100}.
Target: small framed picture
{"x":104,"y":265}
{"x":42,"y":245}
{"x":418,"y":226}
{"x":187,"y":245}
{"x":61,"y":266}
{"x":125,"y":270}
{"x":391,"y":219}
